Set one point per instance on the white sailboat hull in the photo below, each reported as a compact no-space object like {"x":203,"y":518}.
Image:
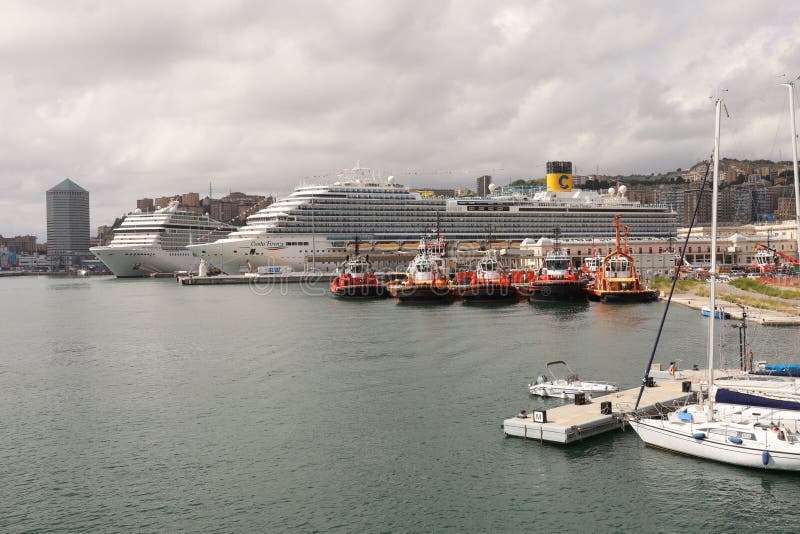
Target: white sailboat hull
{"x":780,"y":455}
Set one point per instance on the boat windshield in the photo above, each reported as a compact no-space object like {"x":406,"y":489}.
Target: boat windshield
{"x":424,"y":266}
{"x":358,"y":268}
{"x":489,"y":265}
{"x":557,"y":264}
{"x":618,"y":264}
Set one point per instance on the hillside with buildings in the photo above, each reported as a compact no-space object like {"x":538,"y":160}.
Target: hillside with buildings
{"x":750,"y":190}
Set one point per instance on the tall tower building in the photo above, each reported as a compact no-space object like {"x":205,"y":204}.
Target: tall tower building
{"x":67,"y":221}
{"x":483,"y":183}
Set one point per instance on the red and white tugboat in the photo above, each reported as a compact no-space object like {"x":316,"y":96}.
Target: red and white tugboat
{"x":490,"y":283}
{"x":617,"y":279}
{"x":591,"y":264}
{"x":358,"y":280}
{"x":427,"y":275}
{"x":557,"y":280}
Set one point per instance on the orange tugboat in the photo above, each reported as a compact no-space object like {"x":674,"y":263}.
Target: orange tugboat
{"x":427,"y":277}
{"x":491,"y":282}
{"x":617,"y":279}
{"x":357,"y":280}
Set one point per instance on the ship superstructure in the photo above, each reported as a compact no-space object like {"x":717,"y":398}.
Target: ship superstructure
{"x":316,"y":222}
{"x":155,"y":242}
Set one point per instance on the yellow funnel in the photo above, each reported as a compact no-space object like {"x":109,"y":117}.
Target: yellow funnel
{"x":559,"y":182}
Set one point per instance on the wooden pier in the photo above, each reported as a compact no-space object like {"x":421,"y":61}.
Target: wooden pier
{"x":572,"y":422}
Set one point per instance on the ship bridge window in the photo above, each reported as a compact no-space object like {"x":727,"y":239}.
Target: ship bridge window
{"x":252,"y":252}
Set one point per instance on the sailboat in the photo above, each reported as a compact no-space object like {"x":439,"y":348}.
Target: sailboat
{"x":729,"y":432}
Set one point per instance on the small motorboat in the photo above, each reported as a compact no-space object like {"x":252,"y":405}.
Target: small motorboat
{"x":719,"y":313}
{"x":568,"y":386}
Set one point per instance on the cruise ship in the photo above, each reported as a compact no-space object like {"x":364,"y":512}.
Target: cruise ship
{"x":155,"y":242}
{"x":318,"y":224}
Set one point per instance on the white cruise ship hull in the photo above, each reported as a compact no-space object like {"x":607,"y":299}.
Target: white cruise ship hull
{"x":133,"y":262}
{"x":236,"y":256}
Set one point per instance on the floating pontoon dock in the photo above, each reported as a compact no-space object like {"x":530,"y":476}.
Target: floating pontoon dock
{"x":574,"y":422}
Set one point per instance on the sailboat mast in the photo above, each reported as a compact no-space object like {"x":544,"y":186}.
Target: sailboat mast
{"x":790,"y":85}
{"x":713,"y":273}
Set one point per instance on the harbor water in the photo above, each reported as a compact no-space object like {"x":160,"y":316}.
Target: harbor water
{"x":143,"y":405}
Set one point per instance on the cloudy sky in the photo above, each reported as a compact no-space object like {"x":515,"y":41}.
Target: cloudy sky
{"x":139,"y":98}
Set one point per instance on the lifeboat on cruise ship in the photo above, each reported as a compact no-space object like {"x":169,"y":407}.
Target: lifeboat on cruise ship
{"x":490,"y":283}
{"x":427,"y":275}
{"x":385,"y":246}
{"x":357,"y":280}
{"x":468,"y":245}
{"x":557,"y":280}
{"x":617,"y":280}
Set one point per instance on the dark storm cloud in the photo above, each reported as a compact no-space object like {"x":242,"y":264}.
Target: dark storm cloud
{"x":135,"y":99}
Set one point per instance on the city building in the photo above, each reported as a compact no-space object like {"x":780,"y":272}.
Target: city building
{"x":67,"y":224}
{"x":483,"y":183}
{"x":234,"y":208}
{"x":190,"y":200}
{"x":21,"y":244}
{"x":146,"y":204}
{"x":581,"y":180}
{"x":645,"y":196}
{"x":786,"y":209}
{"x":674,"y":199}
{"x":433,"y":192}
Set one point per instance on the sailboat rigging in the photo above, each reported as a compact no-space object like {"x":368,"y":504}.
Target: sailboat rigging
{"x":738,"y":431}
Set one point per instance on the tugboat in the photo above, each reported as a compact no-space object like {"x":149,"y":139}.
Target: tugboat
{"x":557,"y":280}
{"x":591,"y":265}
{"x":427,"y":279}
{"x":617,"y":279}
{"x":490,"y":283}
{"x":358,"y":280}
